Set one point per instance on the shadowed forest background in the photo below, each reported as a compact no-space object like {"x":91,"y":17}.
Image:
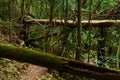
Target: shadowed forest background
{"x":71,"y":38}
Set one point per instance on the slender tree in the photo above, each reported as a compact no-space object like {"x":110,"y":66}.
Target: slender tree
{"x":10,"y":17}
{"x":79,"y":29}
{"x":52,"y":4}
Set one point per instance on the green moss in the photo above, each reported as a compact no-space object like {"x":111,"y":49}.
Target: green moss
{"x":29,"y":55}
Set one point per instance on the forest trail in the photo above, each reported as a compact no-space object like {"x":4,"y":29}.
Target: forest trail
{"x":34,"y":73}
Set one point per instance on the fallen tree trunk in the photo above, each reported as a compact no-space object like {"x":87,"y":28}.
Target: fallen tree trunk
{"x":72,"y":24}
{"x":57,"y":63}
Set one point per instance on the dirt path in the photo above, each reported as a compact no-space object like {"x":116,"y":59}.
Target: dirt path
{"x":34,"y":72}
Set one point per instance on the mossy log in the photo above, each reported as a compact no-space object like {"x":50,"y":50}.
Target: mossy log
{"x":57,"y":63}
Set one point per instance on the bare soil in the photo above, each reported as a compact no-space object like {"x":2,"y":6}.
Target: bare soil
{"x":34,"y":73}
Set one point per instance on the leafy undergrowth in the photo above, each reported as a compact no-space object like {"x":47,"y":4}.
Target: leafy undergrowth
{"x":11,"y":70}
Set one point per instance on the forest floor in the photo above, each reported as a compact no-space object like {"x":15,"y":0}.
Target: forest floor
{"x":13,"y":70}
{"x":34,"y":73}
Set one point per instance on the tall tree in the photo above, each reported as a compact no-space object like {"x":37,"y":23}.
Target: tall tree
{"x":10,"y":17}
{"x":79,"y":29}
{"x":52,"y":5}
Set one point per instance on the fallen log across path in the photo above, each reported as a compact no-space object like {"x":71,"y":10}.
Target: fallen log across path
{"x":72,"y":24}
{"x":58,"y":63}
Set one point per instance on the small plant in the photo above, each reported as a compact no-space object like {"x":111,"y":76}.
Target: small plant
{"x":47,"y":77}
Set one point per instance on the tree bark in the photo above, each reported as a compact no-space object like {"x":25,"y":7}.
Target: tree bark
{"x":70,"y":24}
{"x":57,"y":63}
{"x":10,"y":18}
{"x":79,"y":30}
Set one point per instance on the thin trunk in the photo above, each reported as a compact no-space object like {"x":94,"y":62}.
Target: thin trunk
{"x":47,"y":47}
{"x":79,"y":29}
{"x":118,"y":56}
{"x":64,"y":31}
{"x":10,"y":17}
{"x":66,"y":12}
{"x":52,"y":5}
{"x":90,"y":27}
{"x":101,"y":46}
{"x":22,"y":7}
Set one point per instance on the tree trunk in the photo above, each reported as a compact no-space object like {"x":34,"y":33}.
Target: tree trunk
{"x":57,"y":63}
{"x":79,"y":30}
{"x":10,"y":17}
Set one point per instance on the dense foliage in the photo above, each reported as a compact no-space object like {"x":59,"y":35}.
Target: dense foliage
{"x":94,"y":39}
